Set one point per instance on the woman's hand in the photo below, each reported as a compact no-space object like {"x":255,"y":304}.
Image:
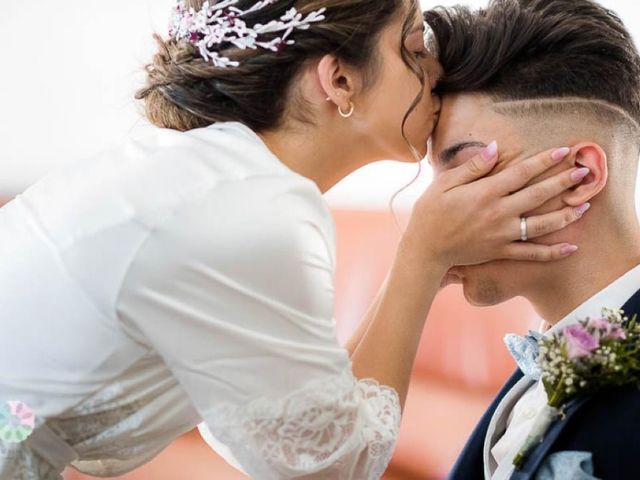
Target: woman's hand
{"x":465,"y":218}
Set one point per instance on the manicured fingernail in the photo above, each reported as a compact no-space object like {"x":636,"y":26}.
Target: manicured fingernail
{"x":560,"y":153}
{"x":568,"y":250}
{"x":582,"y":209}
{"x":490,"y":151}
{"x":580,"y":174}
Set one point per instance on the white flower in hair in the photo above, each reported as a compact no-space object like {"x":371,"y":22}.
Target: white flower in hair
{"x":220,"y":23}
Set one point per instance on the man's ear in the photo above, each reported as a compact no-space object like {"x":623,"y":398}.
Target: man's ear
{"x":336,"y":80}
{"x":593,"y":157}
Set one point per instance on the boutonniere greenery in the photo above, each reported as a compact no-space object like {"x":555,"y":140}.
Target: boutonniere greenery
{"x":582,"y":359}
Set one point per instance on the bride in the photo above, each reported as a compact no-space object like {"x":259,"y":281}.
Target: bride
{"x":187,"y":276}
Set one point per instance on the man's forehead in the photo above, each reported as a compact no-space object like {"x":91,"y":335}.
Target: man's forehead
{"x":464,"y":110}
{"x":463,"y":118}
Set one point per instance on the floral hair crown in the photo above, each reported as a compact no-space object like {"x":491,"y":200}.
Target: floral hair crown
{"x":222,"y":22}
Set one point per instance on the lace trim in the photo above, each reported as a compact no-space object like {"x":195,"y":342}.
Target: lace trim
{"x":338,"y":427}
{"x":88,"y":428}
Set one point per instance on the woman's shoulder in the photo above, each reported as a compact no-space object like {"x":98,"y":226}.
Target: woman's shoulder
{"x":184,"y":190}
{"x":159,"y":171}
{"x":252,"y":183}
{"x":277,"y":215}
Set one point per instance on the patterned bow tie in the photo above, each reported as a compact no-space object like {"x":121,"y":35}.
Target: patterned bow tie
{"x":525,"y":351}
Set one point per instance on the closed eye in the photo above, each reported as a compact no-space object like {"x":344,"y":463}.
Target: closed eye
{"x":448,"y":154}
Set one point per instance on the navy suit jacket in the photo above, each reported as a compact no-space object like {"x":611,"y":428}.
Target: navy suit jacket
{"x":606,"y":424}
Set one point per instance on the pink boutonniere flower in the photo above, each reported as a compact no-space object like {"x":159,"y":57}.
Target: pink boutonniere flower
{"x":580,"y":343}
{"x":592,"y":355}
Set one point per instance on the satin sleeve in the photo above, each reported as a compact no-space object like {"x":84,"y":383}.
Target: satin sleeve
{"x":235,"y":291}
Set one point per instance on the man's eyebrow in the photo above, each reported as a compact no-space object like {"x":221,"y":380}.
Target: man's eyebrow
{"x":449,"y":153}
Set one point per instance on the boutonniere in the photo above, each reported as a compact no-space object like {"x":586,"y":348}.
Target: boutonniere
{"x":586,"y":357}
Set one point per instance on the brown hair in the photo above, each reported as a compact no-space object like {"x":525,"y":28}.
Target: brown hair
{"x":538,"y":49}
{"x":184,"y":91}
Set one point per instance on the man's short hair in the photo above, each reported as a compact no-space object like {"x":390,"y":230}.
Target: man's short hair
{"x":516,"y":50}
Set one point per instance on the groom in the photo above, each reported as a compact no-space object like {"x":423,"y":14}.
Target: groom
{"x":538,"y":74}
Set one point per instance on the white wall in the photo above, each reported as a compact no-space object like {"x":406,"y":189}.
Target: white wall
{"x":69,"y":70}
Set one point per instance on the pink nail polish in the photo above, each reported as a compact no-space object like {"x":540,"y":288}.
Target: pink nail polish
{"x":580,"y":174}
{"x":568,"y":250}
{"x":560,"y":153}
{"x":582,"y":209}
{"x":490,"y":151}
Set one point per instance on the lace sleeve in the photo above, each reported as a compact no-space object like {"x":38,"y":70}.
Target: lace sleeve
{"x":337,"y":429}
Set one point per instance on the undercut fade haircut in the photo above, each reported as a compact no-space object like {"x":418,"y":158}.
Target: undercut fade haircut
{"x":527,"y":50}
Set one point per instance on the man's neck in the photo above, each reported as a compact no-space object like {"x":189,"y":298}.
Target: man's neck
{"x":597,"y":265}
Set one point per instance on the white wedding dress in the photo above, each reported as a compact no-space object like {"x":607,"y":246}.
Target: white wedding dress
{"x":181,"y":278}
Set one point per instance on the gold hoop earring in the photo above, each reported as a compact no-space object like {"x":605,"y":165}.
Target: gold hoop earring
{"x":352,"y":109}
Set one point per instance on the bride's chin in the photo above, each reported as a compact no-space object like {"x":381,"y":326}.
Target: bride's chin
{"x":452,"y":278}
{"x":421,"y":146}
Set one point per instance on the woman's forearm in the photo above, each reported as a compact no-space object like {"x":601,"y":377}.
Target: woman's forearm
{"x":358,"y":334}
{"x":389,"y":343}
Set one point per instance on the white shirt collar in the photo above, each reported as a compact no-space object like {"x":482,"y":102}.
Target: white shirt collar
{"x":614,"y":296}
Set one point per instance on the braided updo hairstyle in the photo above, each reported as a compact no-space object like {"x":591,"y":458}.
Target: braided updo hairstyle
{"x":184,"y":92}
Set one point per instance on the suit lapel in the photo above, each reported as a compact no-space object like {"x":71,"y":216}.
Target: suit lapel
{"x":540,"y":453}
{"x":632,"y":307}
{"x":533,"y":463}
{"x":470,"y":462}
